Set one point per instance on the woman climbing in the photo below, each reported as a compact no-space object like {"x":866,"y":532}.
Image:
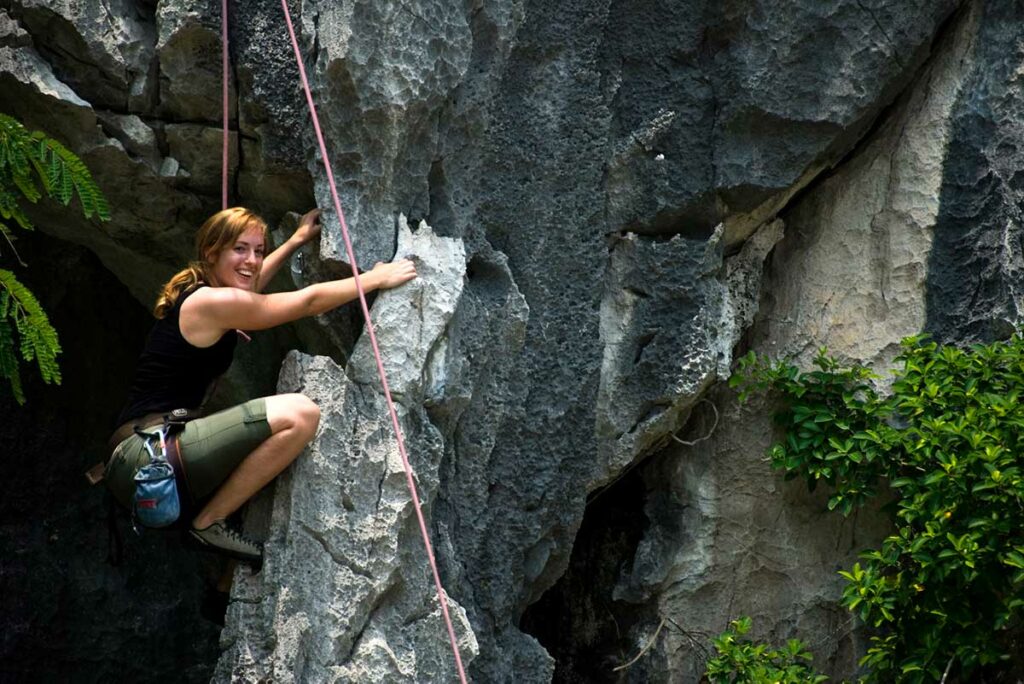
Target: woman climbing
{"x":227,"y":457}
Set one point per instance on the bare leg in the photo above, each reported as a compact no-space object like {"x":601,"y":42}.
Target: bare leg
{"x":293,"y":421}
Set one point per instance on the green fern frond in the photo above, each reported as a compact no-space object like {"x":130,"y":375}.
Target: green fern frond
{"x":67,"y":175}
{"x":27,"y":186}
{"x":16,"y":147}
{"x":40,"y":169}
{"x":9,"y":360}
{"x":29,"y":160}
{"x":26,"y":157}
{"x":15,"y":166}
{"x":9,"y":209}
{"x":38,"y":341}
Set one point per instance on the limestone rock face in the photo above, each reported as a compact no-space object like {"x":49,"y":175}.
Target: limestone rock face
{"x":974,"y":270}
{"x":620,"y":195}
{"x":189,"y":51}
{"x":649,"y":372}
{"x":345,"y":591}
{"x":728,"y":537}
{"x":103,"y":50}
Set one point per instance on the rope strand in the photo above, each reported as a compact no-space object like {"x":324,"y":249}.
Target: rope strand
{"x":224,"y":99}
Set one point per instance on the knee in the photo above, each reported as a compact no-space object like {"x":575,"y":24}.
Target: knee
{"x":294,"y":412}
{"x":307,"y":415}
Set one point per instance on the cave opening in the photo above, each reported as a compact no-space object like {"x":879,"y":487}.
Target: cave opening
{"x":578,"y":621}
{"x":69,"y":614}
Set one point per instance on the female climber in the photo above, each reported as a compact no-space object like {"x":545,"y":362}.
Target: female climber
{"x":227,"y":457}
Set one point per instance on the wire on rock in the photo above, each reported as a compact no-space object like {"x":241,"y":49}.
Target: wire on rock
{"x":643,"y":650}
{"x":710,"y":432}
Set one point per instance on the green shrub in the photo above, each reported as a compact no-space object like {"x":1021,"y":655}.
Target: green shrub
{"x":30,"y":161}
{"x":947,"y":439}
{"x":741,"y":661}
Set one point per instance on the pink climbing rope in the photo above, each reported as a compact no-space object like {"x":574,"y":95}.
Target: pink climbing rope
{"x":224,"y":99}
{"x":373,"y":343}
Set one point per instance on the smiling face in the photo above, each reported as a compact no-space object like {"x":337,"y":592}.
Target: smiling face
{"x":239,"y":265}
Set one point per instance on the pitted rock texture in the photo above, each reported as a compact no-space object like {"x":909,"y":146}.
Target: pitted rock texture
{"x":345,"y":593}
{"x":975,"y":279}
{"x":540,"y":135}
{"x":651,"y":371}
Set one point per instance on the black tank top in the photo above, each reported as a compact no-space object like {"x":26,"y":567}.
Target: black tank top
{"x":171,"y":373}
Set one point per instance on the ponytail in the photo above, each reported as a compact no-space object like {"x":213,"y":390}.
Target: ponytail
{"x":182,"y":281}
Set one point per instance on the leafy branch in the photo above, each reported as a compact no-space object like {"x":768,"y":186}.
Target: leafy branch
{"x":739,"y":660}
{"x":33,"y":165}
{"x":948,"y":439}
{"x":18,"y":306}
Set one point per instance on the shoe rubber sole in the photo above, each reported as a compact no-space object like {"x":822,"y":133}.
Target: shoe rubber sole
{"x":203,"y":545}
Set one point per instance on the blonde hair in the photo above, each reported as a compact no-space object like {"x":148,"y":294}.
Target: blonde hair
{"x":219,"y":232}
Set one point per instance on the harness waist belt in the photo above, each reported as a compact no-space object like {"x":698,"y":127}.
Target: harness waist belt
{"x":128,"y":429}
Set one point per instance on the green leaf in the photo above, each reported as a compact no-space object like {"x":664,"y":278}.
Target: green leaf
{"x":38,"y":339}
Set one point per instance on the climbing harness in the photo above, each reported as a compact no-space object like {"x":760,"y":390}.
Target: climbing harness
{"x":162,"y":495}
{"x":441,"y":596}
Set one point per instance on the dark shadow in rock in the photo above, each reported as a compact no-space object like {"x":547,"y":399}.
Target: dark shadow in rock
{"x":68,"y":615}
{"x":585,"y":630}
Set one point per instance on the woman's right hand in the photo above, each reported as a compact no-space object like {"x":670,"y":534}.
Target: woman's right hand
{"x":393,"y":274}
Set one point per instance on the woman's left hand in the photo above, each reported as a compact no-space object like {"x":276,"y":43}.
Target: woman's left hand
{"x":309,"y":227}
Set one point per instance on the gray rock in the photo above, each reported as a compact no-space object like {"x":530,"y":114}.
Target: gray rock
{"x":659,"y":319}
{"x":22,"y":69}
{"x":345,"y":591}
{"x":199,"y":151}
{"x":386,"y":71}
{"x":540,"y":134}
{"x":272,"y":117}
{"x":743,"y":284}
{"x":726,"y":536}
{"x":188,"y":48}
{"x":11,"y":33}
{"x":976,"y":269}
{"x":138,"y":139}
{"x":745,"y":103}
{"x":853,"y":275}
{"x":103,"y":50}
{"x":169,"y":167}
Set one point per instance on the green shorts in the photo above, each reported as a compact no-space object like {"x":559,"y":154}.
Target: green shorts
{"x":210,"y":448}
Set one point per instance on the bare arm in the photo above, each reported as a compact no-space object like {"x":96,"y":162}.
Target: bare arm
{"x":309,"y":229}
{"x":211,"y":311}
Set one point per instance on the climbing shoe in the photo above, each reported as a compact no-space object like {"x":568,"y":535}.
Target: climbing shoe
{"x":221,"y":538}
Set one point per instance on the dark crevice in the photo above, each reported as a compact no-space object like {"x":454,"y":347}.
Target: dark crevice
{"x":637,"y":292}
{"x":584,"y":628}
{"x":641,"y":345}
{"x":439,"y":215}
{"x":67,"y":615}
{"x":888,"y":39}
